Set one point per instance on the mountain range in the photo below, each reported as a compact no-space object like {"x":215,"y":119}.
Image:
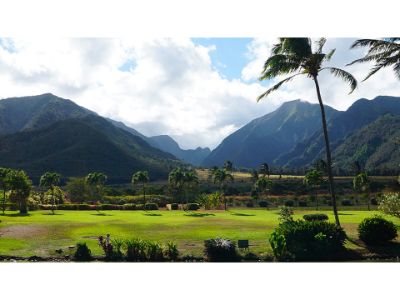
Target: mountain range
{"x":292,"y":137}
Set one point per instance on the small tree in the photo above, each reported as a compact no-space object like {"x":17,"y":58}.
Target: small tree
{"x":50,"y":180}
{"x":263,"y":186}
{"x":361,"y":184}
{"x":176,"y":181}
{"x":314,"y":179}
{"x":141,"y":177}
{"x":77,"y":190}
{"x":228,"y":166}
{"x":390,"y":204}
{"x":222,"y":177}
{"x":265,"y":170}
{"x":4,"y":185}
{"x":190,"y":181}
{"x":20,"y":186}
{"x":96,"y":182}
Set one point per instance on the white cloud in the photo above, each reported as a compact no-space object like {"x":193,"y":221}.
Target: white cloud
{"x":171,"y":88}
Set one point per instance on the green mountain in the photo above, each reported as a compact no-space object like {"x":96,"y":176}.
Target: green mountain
{"x":375,"y":146}
{"x":266,"y":138}
{"x":359,"y":114}
{"x":48,"y":133}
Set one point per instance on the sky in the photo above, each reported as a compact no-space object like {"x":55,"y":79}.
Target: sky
{"x":197,"y":90}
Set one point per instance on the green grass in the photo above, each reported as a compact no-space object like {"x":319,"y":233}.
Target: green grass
{"x":41,"y":233}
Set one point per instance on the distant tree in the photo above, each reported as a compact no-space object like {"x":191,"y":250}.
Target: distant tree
{"x":361,"y":184}
{"x":320,"y":165}
{"x":383,"y":52}
{"x":263,"y":186}
{"x":20,"y":186}
{"x":390,"y":204}
{"x":77,"y":190}
{"x":191,"y":180}
{"x":141,"y":177}
{"x":264,"y":169}
{"x":314,"y":179}
{"x":296,"y":56}
{"x":50,"y":180}
{"x":96,"y":182}
{"x":254,"y":175}
{"x":228,"y":165}
{"x":4,"y":186}
{"x":176,"y":180}
{"x":222,"y":177}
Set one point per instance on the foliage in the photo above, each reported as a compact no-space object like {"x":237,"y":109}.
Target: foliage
{"x":347,"y":202}
{"x":285,"y":214}
{"x":220,"y":250}
{"x":4,"y":186}
{"x":278,"y":245}
{"x":192,"y":206}
{"x":136,"y":250}
{"x":376,"y":230}
{"x":155,"y":252}
{"x":308,"y":241}
{"x":174,"y":206}
{"x":263,"y":203}
{"x":141,"y":177}
{"x":222,"y":177}
{"x":289,"y":203}
{"x":112,"y":249}
{"x":96,"y":182}
{"x":171,"y":251}
{"x":315,"y":217}
{"x":210,"y":201}
{"x":151,"y":206}
{"x":82,"y":252}
{"x":77,"y":190}
{"x":390,"y":204}
{"x":20,"y":186}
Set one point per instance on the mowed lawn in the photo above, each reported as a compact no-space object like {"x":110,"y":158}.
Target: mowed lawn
{"x":41,"y":233}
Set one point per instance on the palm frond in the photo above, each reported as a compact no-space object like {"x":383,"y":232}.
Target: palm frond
{"x":320,"y":44}
{"x":329,"y":55}
{"x":275,"y":87}
{"x":346,"y":76}
{"x":366,"y":58}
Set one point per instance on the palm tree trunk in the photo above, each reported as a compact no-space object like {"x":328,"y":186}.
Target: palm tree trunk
{"x":328,"y":153}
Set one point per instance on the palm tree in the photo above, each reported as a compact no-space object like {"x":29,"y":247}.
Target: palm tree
{"x":254,"y":175}
{"x":384,"y":52}
{"x":222,"y":177}
{"x":50,"y":180}
{"x":321,"y":166}
{"x":4,"y":185}
{"x":191,"y":180}
{"x":263,"y":186}
{"x":141,"y":177}
{"x":228,"y":165}
{"x":361,"y":183}
{"x":264,"y":169}
{"x":20,"y":186}
{"x":96,"y":181}
{"x":176,"y":179}
{"x":314,"y":179}
{"x":296,"y":56}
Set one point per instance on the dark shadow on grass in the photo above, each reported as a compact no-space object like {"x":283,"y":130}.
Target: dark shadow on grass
{"x":345,"y":214}
{"x":198,"y":215}
{"x":242,"y":215}
{"x":101,"y":215}
{"x":152,"y":215}
{"x":51,"y":214}
{"x":387,"y":250}
{"x":16,"y":215}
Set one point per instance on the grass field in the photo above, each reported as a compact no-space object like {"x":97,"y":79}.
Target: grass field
{"x":41,"y":233}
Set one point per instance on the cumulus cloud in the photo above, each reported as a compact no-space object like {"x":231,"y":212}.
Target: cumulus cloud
{"x":166,"y":86}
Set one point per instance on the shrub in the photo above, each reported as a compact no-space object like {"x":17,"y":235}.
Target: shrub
{"x":220,"y":250}
{"x":174,"y":206}
{"x":129,"y":207}
{"x":249,"y":204}
{"x":136,"y":250}
{"x":155,"y":252}
{"x":109,"y":207}
{"x":289,"y":203}
{"x":347,"y":203}
{"x":315,"y":217}
{"x":171,"y":251}
{"x":390,"y":204}
{"x":82,"y":252}
{"x":376,"y":230}
{"x":285,"y":213}
{"x":83,"y":206}
{"x":192,"y":206}
{"x":112,"y":249}
{"x":374,"y":201}
{"x":250,"y":256}
{"x":139,"y":206}
{"x":307,"y":241}
{"x":151,"y":206}
{"x":303,"y":203}
{"x":263,"y":203}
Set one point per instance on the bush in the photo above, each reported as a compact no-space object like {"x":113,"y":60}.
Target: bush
{"x":347,"y":203}
{"x":289,"y":203}
{"x":285,"y":213}
{"x":112,"y":250}
{"x":390,"y":204}
{"x":250,"y":256}
{"x":307,"y":241}
{"x":249,"y":204}
{"x":192,"y":206}
{"x":174,"y":206}
{"x":82,"y":252}
{"x":110,"y":207}
{"x":220,"y":250}
{"x":151,"y":206}
{"x":129,"y":207}
{"x":303,"y":203}
{"x":136,"y":250}
{"x":155,"y":252}
{"x":376,"y":230}
{"x":263,"y":203}
{"x":171,"y":251}
{"x":315,"y":217}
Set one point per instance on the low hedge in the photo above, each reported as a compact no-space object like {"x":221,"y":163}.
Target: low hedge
{"x":174,"y":206}
{"x":263,"y":203}
{"x":315,"y":217}
{"x":192,"y":206}
{"x":151,"y":206}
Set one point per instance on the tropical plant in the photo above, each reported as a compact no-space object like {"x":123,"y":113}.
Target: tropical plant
{"x":264,"y":169}
{"x":191,"y":181}
{"x":20,"y":187}
{"x":296,"y":56}
{"x":210,"y":201}
{"x":82,"y":253}
{"x":321,"y":166}
{"x":77,"y":190}
{"x":171,"y":251}
{"x":263,"y":186}
{"x":141,"y":177}
{"x":220,"y":250}
{"x":285,"y":214}
{"x":361,"y":184}
{"x":390,"y":204}
{"x":50,"y":180}
{"x":228,"y":166}
{"x":176,"y":180}
{"x":314,"y":179}
{"x":254,"y":175}
{"x":4,"y":185}
{"x":222,"y":177}
{"x":383,"y":52}
{"x":96,"y":182}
